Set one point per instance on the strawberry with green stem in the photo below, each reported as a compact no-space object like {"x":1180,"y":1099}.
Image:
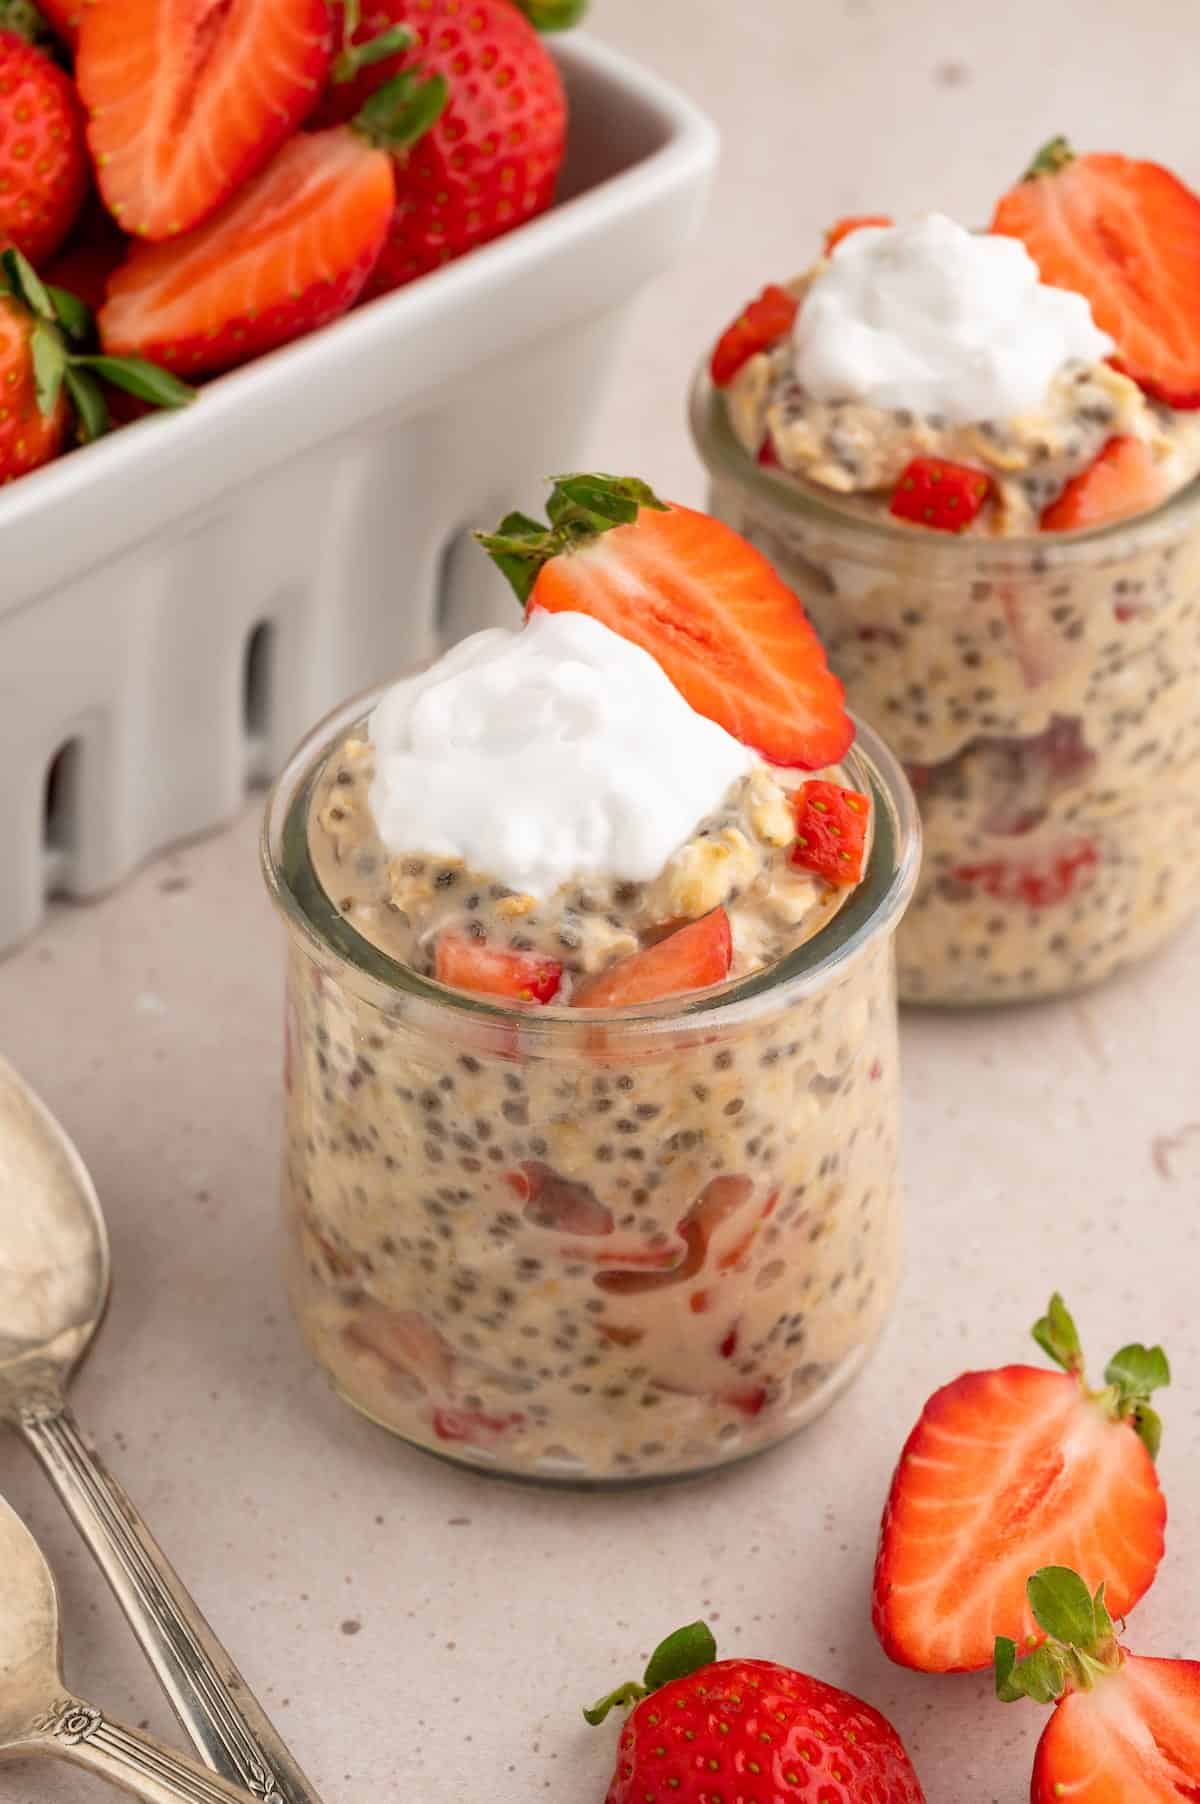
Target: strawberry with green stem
{"x":702,"y":1729}
{"x":731,"y":636}
{"x":43,"y":157}
{"x":49,"y":373}
{"x":1125,"y":1728}
{"x":1010,"y":1469}
{"x":490,"y":159}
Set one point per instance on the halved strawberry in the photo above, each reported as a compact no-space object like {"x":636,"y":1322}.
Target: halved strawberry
{"x":1007,"y":1470}
{"x":1123,"y":479}
{"x":763,"y":323}
{"x":467,"y":964}
{"x":831,"y":830}
{"x":1125,"y":1728}
{"x":1126,"y":235}
{"x":731,"y":636}
{"x":934,"y":492}
{"x":1037,"y":880}
{"x":842,"y":228}
{"x":691,"y":958}
{"x":187,"y":100}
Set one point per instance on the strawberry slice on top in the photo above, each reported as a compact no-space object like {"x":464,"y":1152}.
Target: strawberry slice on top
{"x":1010,"y":1469}
{"x":185,"y":100}
{"x":468,"y":964}
{"x":762,"y":323}
{"x":853,"y":222}
{"x":1125,"y":1728}
{"x":1126,"y":235}
{"x":731,"y":636}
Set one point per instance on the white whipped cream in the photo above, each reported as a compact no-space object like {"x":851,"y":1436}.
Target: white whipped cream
{"x":939,"y":320}
{"x":557,"y":751}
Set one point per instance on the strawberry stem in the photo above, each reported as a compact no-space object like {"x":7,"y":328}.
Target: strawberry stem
{"x":353,"y":57}
{"x":1081,"y":1645}
{"x":1130,"y":1378}
{"x":1052,"y":157}
{"x":682,"y":1653}
{"x":402,"y":110}
{"x":580,"y":509}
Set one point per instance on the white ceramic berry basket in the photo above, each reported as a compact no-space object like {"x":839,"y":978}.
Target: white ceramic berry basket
{"x":180,"y":602}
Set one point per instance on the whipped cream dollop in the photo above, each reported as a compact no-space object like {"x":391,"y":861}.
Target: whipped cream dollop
{"x":556,"y":751}
{"x":936,"y":319}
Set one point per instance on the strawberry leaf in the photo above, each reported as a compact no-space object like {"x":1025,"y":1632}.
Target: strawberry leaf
{"x":629,"y":1693}
{"x":682,"y":1653}
{"x":1138,"y":1371}
{"x":403,"y":109}
{"x":49,"y":366}
{"x":1062,"y":1605}
{"x":137,"y":376}
{"x":1040,"y":1677}
{"x":23,"y":281}
{"x":1147,"y":1425}
{"x":553,"y":15}
{"x":1057,"y":1336}
{"x":580,"y":508}
{"x":91,"y":410}
{"x":1052,"y":157}
{"x":72,"y":314}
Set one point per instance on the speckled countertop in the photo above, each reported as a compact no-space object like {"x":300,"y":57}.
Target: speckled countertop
{"x":420,"y":1633}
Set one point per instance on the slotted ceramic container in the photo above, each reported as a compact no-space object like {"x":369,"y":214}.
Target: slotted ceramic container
{"x":180,"y":602}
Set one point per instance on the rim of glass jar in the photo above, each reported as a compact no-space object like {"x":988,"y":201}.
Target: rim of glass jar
{"x":875,"y":908}
{"x":881,"y":540}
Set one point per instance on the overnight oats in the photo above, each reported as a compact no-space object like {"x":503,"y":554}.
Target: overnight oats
{"x":591,"y":1027}
{"x":974,"y":457}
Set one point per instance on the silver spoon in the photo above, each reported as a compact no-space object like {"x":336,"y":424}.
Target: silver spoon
{"x":38,"y":1715}
{"x":54,"y":1279}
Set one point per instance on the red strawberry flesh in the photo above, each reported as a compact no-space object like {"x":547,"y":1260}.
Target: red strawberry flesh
{"x":467,"y":964}
{"x":691,"y":958}
{"x":1124,"y":479}
{"x":1131,"y":1738}
{"x":831,"y":830}
{"x":763,"y":323}
{"x":939,"y":494}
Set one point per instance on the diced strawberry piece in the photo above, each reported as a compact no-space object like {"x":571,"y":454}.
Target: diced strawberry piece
{"x":1036,"y":882}
{"x":751,"y":1402}
{"x":732,"y":637}
{"x":187,"y":101}
{"x":939,"y":494}
{"x":1124,"y":479}
{"x":691,"y":958}
{"x":1126,"y":235}
{"x":842,"y":228}
{"x":467,"y":964}
{"x":472,"y":1426}
{"x":728,"y":1346}
{"x":560,"y":1204}
{"x":831,"y":830}
{"x":764,"y":322}
{"x":1132,"y":1735}
{"x":1007,"y":1471}
{"x":768,"y":456}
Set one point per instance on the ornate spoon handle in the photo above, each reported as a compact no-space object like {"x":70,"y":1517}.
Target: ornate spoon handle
{"x":226,"y":1723}
{"x":138,"y":1763}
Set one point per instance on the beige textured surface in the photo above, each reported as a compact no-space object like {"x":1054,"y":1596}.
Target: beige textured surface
{"x":425,"y":1634}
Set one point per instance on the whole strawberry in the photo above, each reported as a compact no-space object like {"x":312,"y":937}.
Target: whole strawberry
{"x":1125,"y":1728}
{"x":43,"y":158}
{"x":706,"y":1729}
{"x":490,"y":161}
{"x":50,"y":378}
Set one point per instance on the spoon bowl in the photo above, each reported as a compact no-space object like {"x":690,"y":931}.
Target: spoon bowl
{"x":54,"y":1258}
{"x":29,"y":1636}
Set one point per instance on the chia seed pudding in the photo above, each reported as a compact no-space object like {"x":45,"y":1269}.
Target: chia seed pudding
{"x":1041,"y":687}
{"x":587,"y":1246}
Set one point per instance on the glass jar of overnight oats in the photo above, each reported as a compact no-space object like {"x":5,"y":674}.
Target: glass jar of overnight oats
{"x":1043,"y":694}
{"x":591,"y":1246}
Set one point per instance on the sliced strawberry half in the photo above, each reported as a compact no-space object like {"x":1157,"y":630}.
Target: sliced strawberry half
{"x":853,"y":222}
{"x":1125,"y":1728}
{"x":467,"y":964}
{"x":831,"y":830}
{"x":1126,"y":235}
{"x":1124,"y":479}
{"x":763,"y":323}
{"x":691,"y":958}
{"x":934,"y":492}
{"x":732,"y":637}
{"x":187,"y":100}
{"x":1008,"y":1470}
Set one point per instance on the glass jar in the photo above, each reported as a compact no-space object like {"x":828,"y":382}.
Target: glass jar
{"x":728,"y":1165}
{"x":1043,"y":694}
